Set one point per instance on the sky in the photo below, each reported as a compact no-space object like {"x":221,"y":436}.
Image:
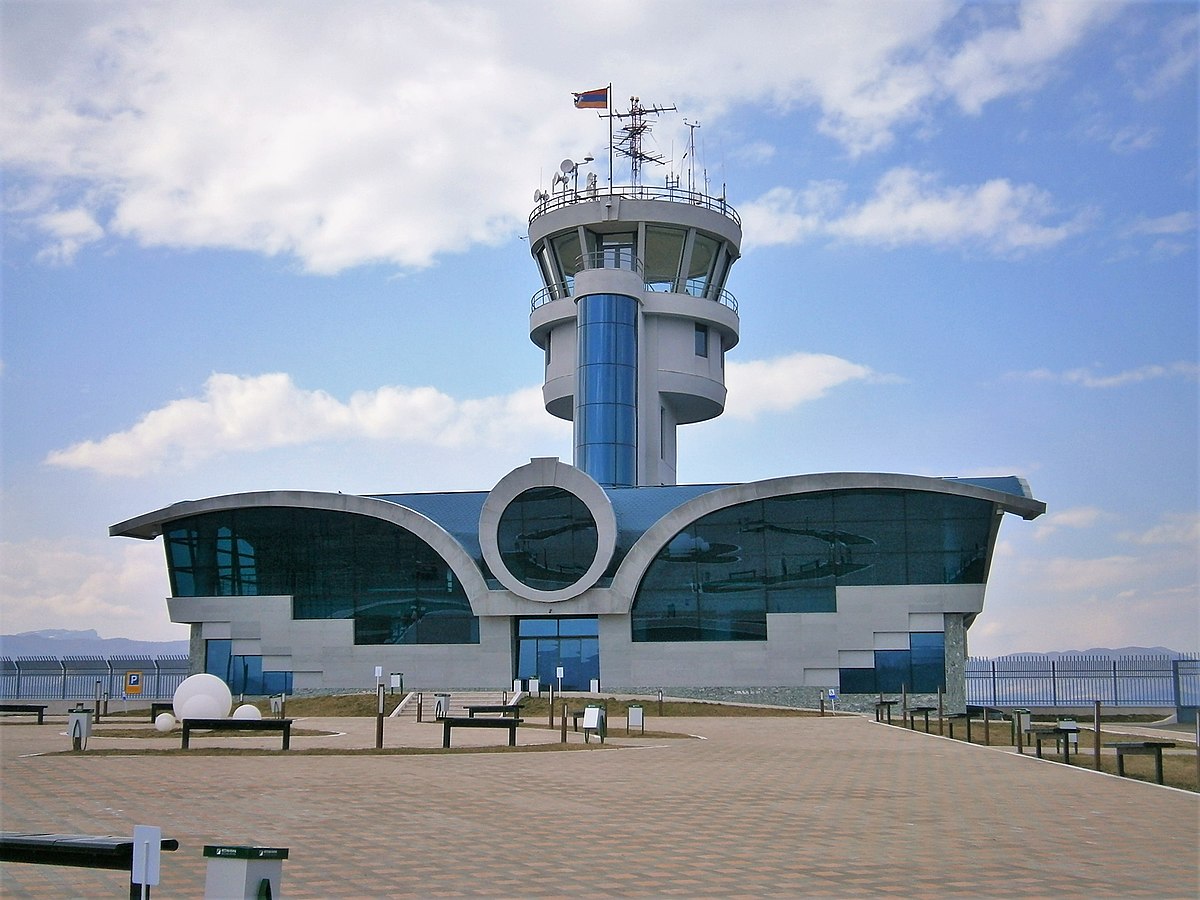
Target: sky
{"x":283,"y":246}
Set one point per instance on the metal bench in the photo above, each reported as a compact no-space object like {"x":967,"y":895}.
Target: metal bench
{"x":1141,"y":748}
{"x":284,"y":725}
{"x":160,"y":706}
{"x":509,"y":722}
{"x":27,"y":709}
{"x":87,"y":851}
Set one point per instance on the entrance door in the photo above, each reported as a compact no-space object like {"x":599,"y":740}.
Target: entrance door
{"x":544,"y":644}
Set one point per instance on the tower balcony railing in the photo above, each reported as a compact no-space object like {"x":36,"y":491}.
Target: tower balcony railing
{"x":565,"y":289}
{"x":636,"y":192}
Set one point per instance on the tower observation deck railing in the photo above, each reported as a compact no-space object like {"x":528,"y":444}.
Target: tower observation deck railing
{"x":563,"y":290}
{"x":637,"y":192}
{"x":623,"y":258}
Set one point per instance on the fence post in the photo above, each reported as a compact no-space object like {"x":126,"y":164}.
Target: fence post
{"x":1116,"y":695}
{"x":993,"y":684}
{"x":63,"y":692}
{"x":1053,"y":684}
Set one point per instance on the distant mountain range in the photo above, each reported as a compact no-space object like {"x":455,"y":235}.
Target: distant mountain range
{"x":63,"y":642}
{"x":1102,"y":651}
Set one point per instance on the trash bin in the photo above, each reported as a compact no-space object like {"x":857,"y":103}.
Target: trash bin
{"x":441,"y":706}
{"x":595,"y":721}
{"x":79,"y":727}
{"x":635,"y":718}
{"x":243,"y":873}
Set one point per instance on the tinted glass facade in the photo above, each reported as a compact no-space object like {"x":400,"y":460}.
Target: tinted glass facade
{"x":606,"y":389}
{"x":334,"y":565}
{"x":243,"y":674}
{"x":920,"y":669}
{"x":547,"y":538}
{"x":717,"y":579}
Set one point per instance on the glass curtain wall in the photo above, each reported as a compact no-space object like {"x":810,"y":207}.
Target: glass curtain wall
{"x":334,"y":565}
{"x":717,"y":579}
{"x":606,"y":389}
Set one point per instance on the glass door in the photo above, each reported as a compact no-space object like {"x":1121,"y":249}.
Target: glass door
{"x":544,"y":644}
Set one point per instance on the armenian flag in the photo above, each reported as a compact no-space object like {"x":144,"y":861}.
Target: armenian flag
{"x":597,"y":99}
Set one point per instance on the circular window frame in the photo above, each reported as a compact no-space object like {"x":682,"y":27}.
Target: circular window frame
{"x":538,"y":474}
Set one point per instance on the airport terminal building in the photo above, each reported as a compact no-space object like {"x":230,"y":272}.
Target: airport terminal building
{"x":607,"y":569}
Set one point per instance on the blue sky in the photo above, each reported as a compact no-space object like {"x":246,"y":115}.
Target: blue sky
{"x":252,"y":246}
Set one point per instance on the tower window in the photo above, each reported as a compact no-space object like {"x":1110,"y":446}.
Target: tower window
{"x":702,"y":340}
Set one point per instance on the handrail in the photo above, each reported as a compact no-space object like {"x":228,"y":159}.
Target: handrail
{"x":566,"y":291}
{"x":637,"y":192}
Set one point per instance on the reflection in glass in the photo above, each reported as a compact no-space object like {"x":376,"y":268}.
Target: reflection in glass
{"x":334,"y":565}
{"x":718,"y":579}
{"x":606,"y":389}
{"x":547,"y":538}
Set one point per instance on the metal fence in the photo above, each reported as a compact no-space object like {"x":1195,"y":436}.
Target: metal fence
{"x":1042,"y":680}
{"x":86,"y":677}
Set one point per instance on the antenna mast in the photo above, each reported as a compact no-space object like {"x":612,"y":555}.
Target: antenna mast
{"x":692,"y":126}
{"x":630,"y":144}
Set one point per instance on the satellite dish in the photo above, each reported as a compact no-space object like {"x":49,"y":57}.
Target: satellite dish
{"x":567,"y":166}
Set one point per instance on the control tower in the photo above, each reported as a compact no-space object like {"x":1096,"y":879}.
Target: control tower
{"x":633,"y":318}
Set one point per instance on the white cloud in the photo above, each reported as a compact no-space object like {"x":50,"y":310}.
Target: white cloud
{"x":1088,"y":378}
{"x":1174,"y":223}
{"x":1006,"y":60}
{"x":247,"y":414}
{"x":69,"y":230}
{"x":396,"y":132}
{"x":911,"y":207}
{"x":1080,"y":517}
{"x":1175,"y":528}
{"x":781,"y":384}
{"x":1140,"y":590}
{"x":116,"y":588}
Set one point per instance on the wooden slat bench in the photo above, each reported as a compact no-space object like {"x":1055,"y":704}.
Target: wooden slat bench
{"x":509,"y":722}
{"x":1141,"y":748}
{"x":284,"y":725}
{"x":28,"y":709}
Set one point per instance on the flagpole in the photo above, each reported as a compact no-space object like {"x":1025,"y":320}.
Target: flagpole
{"x":610,"y":139}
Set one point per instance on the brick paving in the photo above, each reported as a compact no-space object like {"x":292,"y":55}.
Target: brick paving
{"x":776,"y":807}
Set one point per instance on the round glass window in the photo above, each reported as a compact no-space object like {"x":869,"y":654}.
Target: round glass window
{"x":547,"y":538}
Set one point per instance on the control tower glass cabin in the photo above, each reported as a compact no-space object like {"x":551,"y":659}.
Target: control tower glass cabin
{"x":634,"y":320}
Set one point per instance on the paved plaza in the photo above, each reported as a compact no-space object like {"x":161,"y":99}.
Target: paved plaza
{"x":771,"y":807}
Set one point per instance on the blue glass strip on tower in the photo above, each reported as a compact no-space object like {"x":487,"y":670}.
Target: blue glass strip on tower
{"x":606,"y":389}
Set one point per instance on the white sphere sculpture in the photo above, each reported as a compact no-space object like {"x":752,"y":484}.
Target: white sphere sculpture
{"x":209,"y":687}
{"x":247,"y":711}
{"x":164,"y":722}
{"x":203,"y":706}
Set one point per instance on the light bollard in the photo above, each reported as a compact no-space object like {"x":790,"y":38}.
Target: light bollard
{"x":379,"y":718}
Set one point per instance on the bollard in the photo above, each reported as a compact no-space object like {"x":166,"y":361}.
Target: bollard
{"x":379,"y":717}
{"x":564,"y":723}
{"x":660,"y":708}
{"x":420,"y":703}
{"x":987,"y":729}
{"x":941,"y":711}
{"x":822,"y":705}
{"x":1096,"y":735}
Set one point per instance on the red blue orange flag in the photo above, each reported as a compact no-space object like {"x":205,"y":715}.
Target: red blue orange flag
{"x":597,"y":99}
